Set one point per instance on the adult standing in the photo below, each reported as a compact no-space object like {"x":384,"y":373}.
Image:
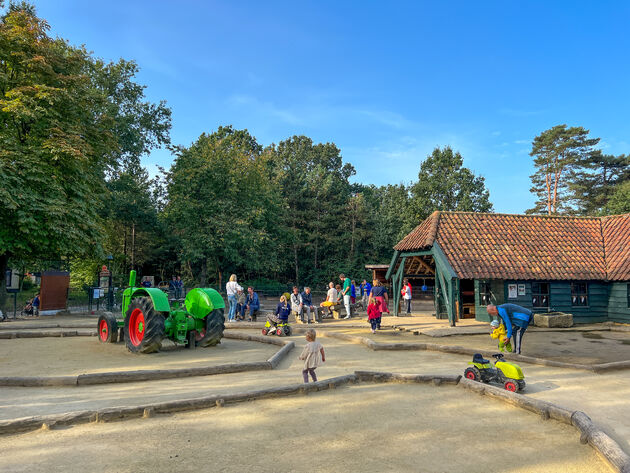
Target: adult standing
{"x":36,"y":302}
{"x":406,"y":293}
{"x":346,"y":294}
{"x":231,"y":288}
{"x":379,"y":293}
{"x":516,"y":320}
{"x":353,"y":292}
{"x":366,"y":288}
{"x":179,"y":288}
{"x":296,"y":305}
{"x":307,"y":304}
{"x":252,"y":304}
{"x":172,"y":286}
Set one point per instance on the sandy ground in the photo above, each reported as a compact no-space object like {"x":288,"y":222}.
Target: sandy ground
{"x":76,"y":355}
{"x":571,"y":347}
{"x":368,"y":428}
{"x":603,"y":396}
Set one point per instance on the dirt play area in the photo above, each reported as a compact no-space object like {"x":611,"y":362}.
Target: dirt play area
{"x":367,"y":428}
{"x":364,"y":427}
{"x":76,"y":355}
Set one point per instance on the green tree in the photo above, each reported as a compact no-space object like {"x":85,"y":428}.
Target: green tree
{"x":222,"y":205}
{"x":596,"y":179}
{"x":63,"y":117}
{"x":444,"y":184}
{"x":313,"y":181}
{"x":619,"y":202}
{"x":557,"y":153}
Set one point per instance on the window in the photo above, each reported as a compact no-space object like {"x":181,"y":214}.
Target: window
{"x":540,"y":294}
{"x":579,"y":294}
{"x":628,"y":295}
{"x":485,"y":293}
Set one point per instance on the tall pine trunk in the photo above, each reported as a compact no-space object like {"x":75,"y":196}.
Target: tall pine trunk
{"x":4,"y":263}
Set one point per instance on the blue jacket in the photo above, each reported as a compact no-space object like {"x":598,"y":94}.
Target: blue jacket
{"x":283,"y":311}
{"x":253,"y":302}
{"x":353,"y":291}
{"x":513,"y":314}
{"x":307,"y":299}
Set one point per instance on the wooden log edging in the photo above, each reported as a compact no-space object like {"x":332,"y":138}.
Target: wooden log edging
{"x":109,"y":377}
{"x":603,"y":444}
{"x":26,"y":424}
{"x":387,"y":377}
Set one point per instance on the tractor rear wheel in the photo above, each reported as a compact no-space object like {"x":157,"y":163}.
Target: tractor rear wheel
{"x":107,"y":328}
{"x":213,"y":333}
{"x":144,"y":326}
{"x":472,"y":373}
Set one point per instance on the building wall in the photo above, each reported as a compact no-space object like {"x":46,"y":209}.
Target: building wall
{"x":559,"y":300}
{"x":618,"y":310}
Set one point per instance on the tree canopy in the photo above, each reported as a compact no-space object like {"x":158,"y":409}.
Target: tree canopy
{"x":67,"y":121}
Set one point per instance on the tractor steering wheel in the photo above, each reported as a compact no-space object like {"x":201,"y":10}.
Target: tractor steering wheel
{"x":498,"y":356}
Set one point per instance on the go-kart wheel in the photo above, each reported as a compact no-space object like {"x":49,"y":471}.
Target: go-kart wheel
{"x":265,"y":331}
{"x":213,"y":332}
{"x":472,"y":373}
{"x":521,"y":384}
{"x":511,"y":385}
{"x":288,"y":331}
{"x":107,"y":329}
{"x":280,"y":331}
{"x":144,"y":326}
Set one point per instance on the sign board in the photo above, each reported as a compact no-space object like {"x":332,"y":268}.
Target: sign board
{"x":521,"y":289}
{"x":512,"y":291}
{"x":12,"y":280}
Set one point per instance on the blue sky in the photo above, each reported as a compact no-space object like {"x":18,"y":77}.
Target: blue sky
{"x":385,"y":81}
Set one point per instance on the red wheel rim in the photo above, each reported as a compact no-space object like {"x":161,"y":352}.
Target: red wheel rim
{"x":136,"y":327}
{"x":103,"y":330}
{"x":471,"y":375}
{"x":279,"y":331}
{"x":200,"y":335}
{"x":264,"y":331}
{"x":510,"y":386}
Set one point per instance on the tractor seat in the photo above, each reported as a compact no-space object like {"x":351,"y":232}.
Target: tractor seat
{"x":477,"y":358}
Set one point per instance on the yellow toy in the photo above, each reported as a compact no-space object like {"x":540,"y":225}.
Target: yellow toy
{"x":500,"y":333}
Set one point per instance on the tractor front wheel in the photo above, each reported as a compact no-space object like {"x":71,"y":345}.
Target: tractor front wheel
{"x":511,"y":385}
{"x":472,"y":373}
{"x":144,"y":326}
{"x":107,"y":328}
{"x":213,"y":333}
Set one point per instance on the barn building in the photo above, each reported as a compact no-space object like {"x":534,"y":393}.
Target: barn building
{"x":579,"y":265}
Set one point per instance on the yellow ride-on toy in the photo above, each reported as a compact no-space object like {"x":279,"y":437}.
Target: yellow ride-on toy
{"x":282,"y":329}
{"x":508,"y":374}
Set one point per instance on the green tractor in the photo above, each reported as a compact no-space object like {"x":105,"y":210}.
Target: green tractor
{"x":149,"y":318}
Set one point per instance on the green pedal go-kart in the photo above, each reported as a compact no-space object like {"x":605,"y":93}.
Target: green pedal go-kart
{"x":505,"y":373}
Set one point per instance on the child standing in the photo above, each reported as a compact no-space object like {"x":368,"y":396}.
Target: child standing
{"x":374,"y":315}
{"x":313,"y":355}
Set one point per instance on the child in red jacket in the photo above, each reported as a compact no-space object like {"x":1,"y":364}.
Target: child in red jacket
{"x":374,"y":315}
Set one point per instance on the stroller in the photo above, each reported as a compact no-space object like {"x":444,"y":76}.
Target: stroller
{"x":28,"y":309}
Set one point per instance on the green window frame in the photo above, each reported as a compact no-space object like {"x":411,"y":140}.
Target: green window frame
{"x":540,"y":295}
{"x":579,"y":294}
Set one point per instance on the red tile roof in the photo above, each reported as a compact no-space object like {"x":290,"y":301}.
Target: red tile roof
{"x":616,"y":231}
{"x":483,"y":245}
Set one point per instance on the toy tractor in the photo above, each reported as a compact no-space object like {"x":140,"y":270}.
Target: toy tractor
{"x":148,"y":318}
{"x":508,"y":374}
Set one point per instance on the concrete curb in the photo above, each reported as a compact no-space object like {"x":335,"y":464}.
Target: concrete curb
{"x":87,"y":379}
